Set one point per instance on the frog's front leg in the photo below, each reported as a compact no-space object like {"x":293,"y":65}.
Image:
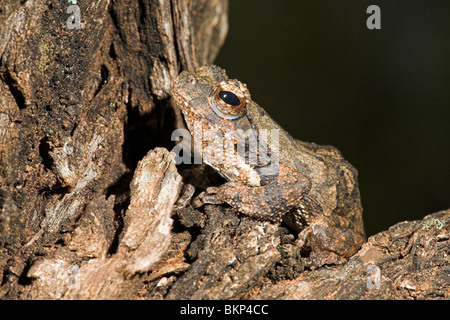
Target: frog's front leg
{"x":331,"y":240}
{"x":267,"y":202}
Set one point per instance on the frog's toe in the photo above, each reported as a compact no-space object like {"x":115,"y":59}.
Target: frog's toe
{"x":212,"y":190}
{"x":197,"y":202}
{"x":329,"y":240}
{"x":210,"y":196}
{"x":317,"y":255}
{"x":185,"y":197}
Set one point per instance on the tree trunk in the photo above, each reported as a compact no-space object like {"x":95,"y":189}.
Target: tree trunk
{"x":87,"y":186}
{"x":84,"y":95}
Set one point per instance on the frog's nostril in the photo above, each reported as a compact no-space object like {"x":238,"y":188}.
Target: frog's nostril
{"x":192,"y":80}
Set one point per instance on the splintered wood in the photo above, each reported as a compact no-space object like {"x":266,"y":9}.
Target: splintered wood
{"x":154,"y":190}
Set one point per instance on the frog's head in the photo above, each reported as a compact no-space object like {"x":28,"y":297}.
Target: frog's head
{"x":217,"y":107}
{"x":207,"y":95}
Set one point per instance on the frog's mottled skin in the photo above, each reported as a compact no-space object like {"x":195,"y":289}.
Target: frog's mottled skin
{"x":314,"y":190}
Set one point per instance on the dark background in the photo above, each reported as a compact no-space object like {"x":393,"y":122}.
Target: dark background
{"x":380,"y":96}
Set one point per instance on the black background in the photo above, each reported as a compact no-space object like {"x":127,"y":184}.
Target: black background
{"x":380,"y":96}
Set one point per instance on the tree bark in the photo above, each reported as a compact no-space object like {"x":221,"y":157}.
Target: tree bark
{"x":88,"y":186}
{"x":81,"y":102}
{"x":234,"y":257}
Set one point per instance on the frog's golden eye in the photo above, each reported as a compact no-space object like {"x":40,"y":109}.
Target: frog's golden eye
{"x":229,"y":99}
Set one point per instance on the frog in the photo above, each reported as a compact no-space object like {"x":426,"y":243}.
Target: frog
{"x":310,"y":188}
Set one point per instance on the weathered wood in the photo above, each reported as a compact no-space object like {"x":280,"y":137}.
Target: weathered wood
{"x":86,"y":210}
{"x":234,"y":257}
{"x":78,"y":109}
{"x":410,"y":260}
{"x":146,"y":237}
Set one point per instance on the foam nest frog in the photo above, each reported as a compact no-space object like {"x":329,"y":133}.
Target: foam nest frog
{"x":310,"y":187}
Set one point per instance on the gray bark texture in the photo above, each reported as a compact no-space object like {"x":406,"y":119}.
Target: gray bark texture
{"x":88,"y":186}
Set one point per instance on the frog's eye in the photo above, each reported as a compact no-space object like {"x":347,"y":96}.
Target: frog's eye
{"x":229,"y":99}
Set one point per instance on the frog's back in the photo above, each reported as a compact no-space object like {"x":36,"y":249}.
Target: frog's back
{"x":334,"y":181}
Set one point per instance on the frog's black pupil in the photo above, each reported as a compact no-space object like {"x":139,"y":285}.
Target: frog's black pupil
{"x":229,"y":98}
